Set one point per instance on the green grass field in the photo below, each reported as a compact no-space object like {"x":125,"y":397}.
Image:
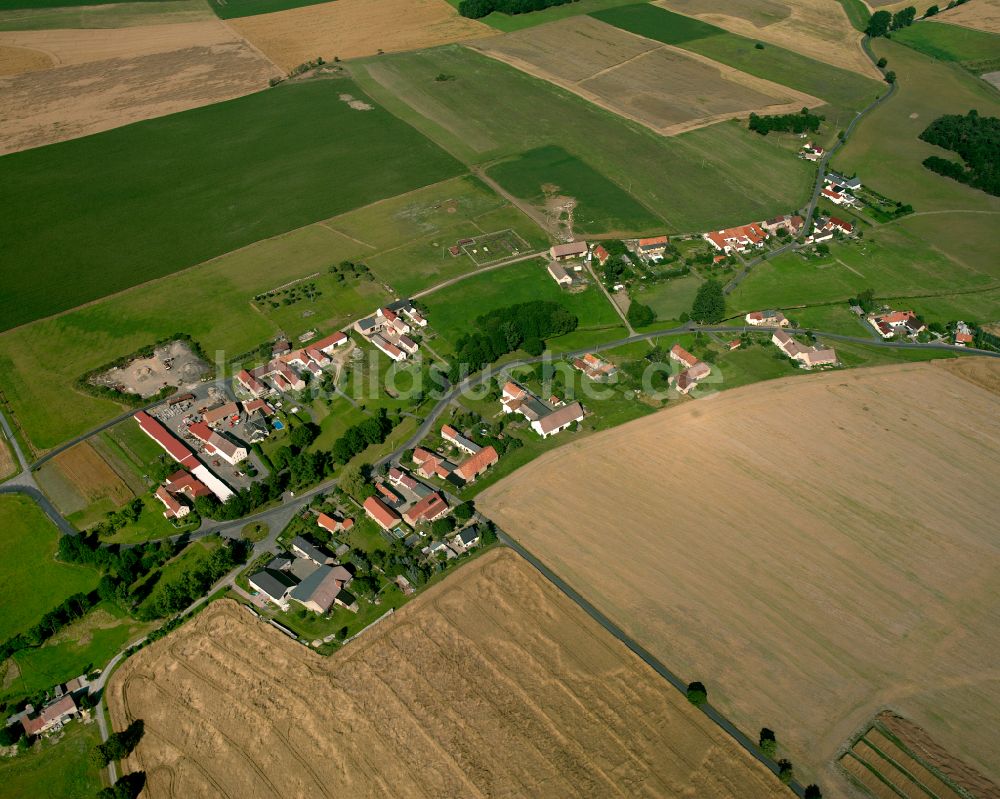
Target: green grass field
{"x":213,"y":302}
{"x":111,"y":15}
{"x":30,"y":4}
{"x":452,"y":309}
{"x":602,"y":205}
{"x":668,"y":299}
{"x":845,"y":91}
{"x":102,"y":213}
{"x":80,"y":648}
{"x":977,"y":51}
{"x":890,"y":260}
{"x":857,"y":12}
{"x":232,"y":9}
{"x":696,"y":181}
{"x":33,"y":582}
{"x":55,"y":768}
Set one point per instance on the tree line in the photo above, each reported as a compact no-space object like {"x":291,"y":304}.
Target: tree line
{"x":177,"y":594}
{"x":976,"y":139}
{"x":786,"y":123}
{"x":881,"y":23}
{"x":66,"y":612}
{"x":502,"y":331}
{"x":475,"y":9}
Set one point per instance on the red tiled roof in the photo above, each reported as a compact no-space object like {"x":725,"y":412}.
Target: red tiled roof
{"x":654,"y":241}
{"x":181,"y":482}
{"x":329,"y":341}
{"x":477,"y":463}
{"x":682,"y":355}
{"x":429,"y":507}
{"x":384,"y":516}
{"x":174,"y":448}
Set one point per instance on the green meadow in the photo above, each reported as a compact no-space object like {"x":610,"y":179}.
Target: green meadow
{"x":516,"y":22}
{"x":102,"y":213}
{"x":977,"y":51}
{"x":55,"y":768}
{"x":846,"y":92}
{"x":32,"y":582}
{"x":490,"y":112}
{"x":602,"y":205}
{"x":232,"y":9}
{"x":111,"y":15}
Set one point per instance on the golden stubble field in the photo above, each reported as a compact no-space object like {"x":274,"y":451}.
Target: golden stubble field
{"x":355,"y":28}
{"x":665,"y":88}
{"x":94,"y":80}
{"x":816,"y":28}
{"x":983,"y":15}
{"x":491,"y":684}
{"x":814,"y":549}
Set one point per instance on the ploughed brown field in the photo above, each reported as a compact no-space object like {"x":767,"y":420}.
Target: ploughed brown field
{"x":490,"y":684}
{"x":813,"y":549}
{"x":95,"y":80}
{"x":354,"y":28}
{"x":664,"y":88}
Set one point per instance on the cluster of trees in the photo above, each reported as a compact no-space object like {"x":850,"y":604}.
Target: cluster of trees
{"x":786,"y":123}
{"x":976,"y":139}
{"x":475,"y":9}
{"x":66,"y":612}
{"x":120,"y":567}
{"x":119,"y":744}
{"x":709,"y":306}
{"x":881,"y":23}
{"x":359,"y":437}
{"x":640,"y":315}
{"x":350,"y":270}
{"x":525,"y":325}
{"x":129,"y":786}
{"x":180,"y":592}
{"x":865,"y":300}
{"x":115,"y":520}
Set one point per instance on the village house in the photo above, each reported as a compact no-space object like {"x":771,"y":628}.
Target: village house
{"x":275,"y":585}
{"x":807,"y":356}
{"x":560,"y":275}
{"x":595,"y":368}
{"x":217,"y":444}
{"x":652,"y":247}
{"x":467,"y":537}
{"x":896,"y":322}
{"x":308,"y":550}
{"x":384,"y":516}
{"x":735,"y":344}
{"x":174,"y":508}
{"x":328,"y":344}
{"x":55,"y":714}
{"x":558,"y":420}
{"x":682,"y":356}
{"x":323,"y":588}
{"x":565,"y":252}
{"x":388,"y":348}
{"x":791,"y":222}
{"x":219,"y":414}
{"x":963,"y":334}
{"x":767,"y":319}
{"x":601,"y":255}
{"x":431,"y":507}
{"x":431,"y":464}
{"x":332,"y":525}
{"x":544,"y":420}
{"x":737,"y":239}
{"x":401,"y":479}
{"x":693,"y":372}
{"x":450,"y":434}
{"x":812,"y":152}
{"x":839,"y":181}
{"x":836,"y":197}
{"x":251,"y":384}
{"x":473,"y":466}
{"x":435,"y":547}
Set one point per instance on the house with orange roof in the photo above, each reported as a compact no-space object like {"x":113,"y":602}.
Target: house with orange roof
{"x":428,"y":509}
{"x":737,"y":239}
{"x":380,"y":513}
{"x":601,"y":255}
{"x":474,"y":466}
{"x":251,"y":384}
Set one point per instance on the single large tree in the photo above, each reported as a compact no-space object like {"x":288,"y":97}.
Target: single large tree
{"x":709,"y":303}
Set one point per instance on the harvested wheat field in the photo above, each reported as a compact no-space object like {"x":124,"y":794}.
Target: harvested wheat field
{"x":982,"y":15}
{"x":355,"y":28}
{"x":813,"y":549}
{"x":662,"y":87}
{"x":7,"y":463}
{"x":15,"y":60}
{"x":80,"y":476}
{"x":491,"y":684}
{"x":815,"y":28}
{"x":78,"y":99}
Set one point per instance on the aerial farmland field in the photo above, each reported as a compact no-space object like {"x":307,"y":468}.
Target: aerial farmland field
{"x":694,"y":181}
{"x":846,"y":91}
{"x":492,"y":655}
{"x":977,"y":51}
{"x":784,"y":562}
{"x":348,"y":28}
{"x":983,"y":15}
{"x":814,"y":28}
{"x":241,"y":183}
{"x":665,"y":88}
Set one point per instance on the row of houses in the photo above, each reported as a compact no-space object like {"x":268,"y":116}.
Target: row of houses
{"x":432,"y":464}
{"x":183,"y":455}
{"x":287,"y":367}
{"x":544,"y":419}
{"x":392,"y":508}
{"x":694,"y":370}
{"x":826,"y":227}
{"x":388,"y":329}
{"x":808,"y":356}
{"x":594,"y":368}
{"x":895,"y":323}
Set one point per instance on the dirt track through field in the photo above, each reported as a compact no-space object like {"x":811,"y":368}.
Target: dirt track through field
{"x":662,"y":87}
{"x":491,"y":684}
{"x":815,"y":28}
{"x":355,"y":28}
{"x":813,"y":549}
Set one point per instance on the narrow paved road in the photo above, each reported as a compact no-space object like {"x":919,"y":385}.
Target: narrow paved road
{"x":9,"y":435}
{"x":459,"y":278}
